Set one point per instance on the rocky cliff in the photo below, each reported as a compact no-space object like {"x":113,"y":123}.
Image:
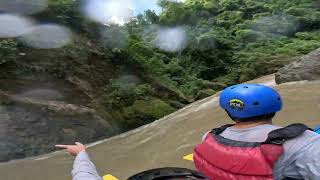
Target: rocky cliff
{"x":30,"y":126}
{"x":59,"y":96}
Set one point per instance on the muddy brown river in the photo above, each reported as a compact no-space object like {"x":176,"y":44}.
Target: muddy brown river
{"x":164,"y":142}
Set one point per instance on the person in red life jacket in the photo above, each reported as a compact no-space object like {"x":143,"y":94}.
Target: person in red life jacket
{"x":253,"y":148}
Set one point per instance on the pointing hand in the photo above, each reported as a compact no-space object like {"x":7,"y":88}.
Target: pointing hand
{"x":73,"y":149}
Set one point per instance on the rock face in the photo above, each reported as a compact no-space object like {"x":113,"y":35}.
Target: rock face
{"x":32,"y":123}
{"x":306,"y":67}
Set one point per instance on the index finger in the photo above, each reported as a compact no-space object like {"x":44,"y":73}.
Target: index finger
{"x":61,"y":146}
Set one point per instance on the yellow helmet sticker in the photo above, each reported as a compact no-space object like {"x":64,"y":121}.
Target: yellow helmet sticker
{"x":237,"y":104}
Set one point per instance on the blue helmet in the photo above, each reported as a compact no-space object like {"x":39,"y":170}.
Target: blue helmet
{"x":250,"y":100}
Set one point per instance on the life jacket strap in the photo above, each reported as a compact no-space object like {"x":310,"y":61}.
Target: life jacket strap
{"x":219,"y":130}
{"x":280,"y":136}
{"x":277,"y":137}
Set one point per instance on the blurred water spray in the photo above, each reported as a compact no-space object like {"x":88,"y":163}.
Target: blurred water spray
{"x":47,"y":36}
{"x":43,"y":94}
{"x":171,"y":39}
{"x":177,"y":1}
{"x":115,"y":37}
{"x":129,"y":81}
{"x":275,"y":25}
{"x":14,"y":25}
{"x":23,"y":6}
{"x":109,"y":11}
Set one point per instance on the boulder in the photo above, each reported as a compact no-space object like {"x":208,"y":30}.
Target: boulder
{"x":216,"y":85}
{"x":306,"y":67}
{"x":205,"y":93}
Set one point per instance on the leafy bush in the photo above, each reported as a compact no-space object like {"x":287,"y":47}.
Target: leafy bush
{"x":145,"y":111}
{"x":8,"y":50}
{"x":121,"y":95}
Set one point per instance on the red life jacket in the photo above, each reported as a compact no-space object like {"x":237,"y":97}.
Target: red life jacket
{"x":224,"y":159}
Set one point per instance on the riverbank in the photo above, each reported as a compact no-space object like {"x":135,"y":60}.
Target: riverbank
{"x":164,"y":142}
